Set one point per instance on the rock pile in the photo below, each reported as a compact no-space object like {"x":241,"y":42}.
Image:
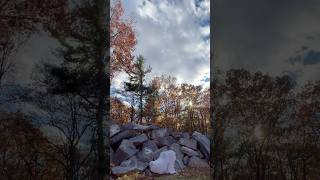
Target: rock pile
{"x":134,"y":146}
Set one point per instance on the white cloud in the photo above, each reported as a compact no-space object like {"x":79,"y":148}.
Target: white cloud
{"x":171,"y":38}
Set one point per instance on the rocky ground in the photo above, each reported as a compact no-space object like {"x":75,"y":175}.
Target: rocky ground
{"x":134,"y":146}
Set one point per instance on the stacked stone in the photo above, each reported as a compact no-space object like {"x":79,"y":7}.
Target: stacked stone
{"x":134,"y":146}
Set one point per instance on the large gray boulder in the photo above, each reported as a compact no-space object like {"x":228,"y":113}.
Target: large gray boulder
{"x":150,"y":144}
{"x":196,"y":162}
{"x":178,"y":165}
{"x":179,"y":161}
{"x":177,"y":149}
{"x":190,"y":143}
{"x":124,"y":152}
{"x":146,"y":155}
{"x":138,"y":140}
{"x":159,"y":133}
{"x":114,"y":129}
{"x":165,"y":141}
{"x":203,"y":143}
{"x":131,"y":165}
{"x":111,"y":154}
{"x":189,"y":152}
{"x":186,"y":160}
{"x":178,"y":135}
{"x":123,"y":135}
{"x":138,"y":127}
{"x":157,"y":152}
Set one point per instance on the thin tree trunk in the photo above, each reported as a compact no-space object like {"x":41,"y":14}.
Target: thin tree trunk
{"x":103,"y":62}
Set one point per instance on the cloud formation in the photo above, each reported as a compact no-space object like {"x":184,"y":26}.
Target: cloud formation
{"x":271,"y":36}
{"x":173,"y":36}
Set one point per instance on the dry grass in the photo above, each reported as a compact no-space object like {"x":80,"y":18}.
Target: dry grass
{"x":187,"y":174}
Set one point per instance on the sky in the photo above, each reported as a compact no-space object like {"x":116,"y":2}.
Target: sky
{"x":173,"y":36}
{"x":273,"y":36}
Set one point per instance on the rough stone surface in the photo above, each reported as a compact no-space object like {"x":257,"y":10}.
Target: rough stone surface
{"x":157,"y":152}
{"x":123,"y":135}
{"x":150,"y":144}
{"x":177,"y":149}
{"x":165,"y":141}
{"x":129,"y":165}
{"x":111,"y":154}
{"x":179,"y":163}
{"x":138,"y":140}
{"x":124,"y":152}
{"x":134,"y":147}
{"x":146,"y":155}
{"x":114,"y":129}
{"x":178,"y":135}
{"x":133,"y":126}
{"x":159,"y":133}
{"x":203,"y":143}
{"x":196,"y":162}
{"x":179,"y":166}
{"x":189,"y":152}
{"x":186,"y":160}
{"x":190,"y":143}
{"x":200,"y":154}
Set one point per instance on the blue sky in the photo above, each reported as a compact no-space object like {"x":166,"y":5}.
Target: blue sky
{"x":173,"y":36}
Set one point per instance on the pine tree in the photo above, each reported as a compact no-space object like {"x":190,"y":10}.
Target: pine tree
{"x":152,"y":102}
{"x":85,"y":68}
{"x":136,"y":83}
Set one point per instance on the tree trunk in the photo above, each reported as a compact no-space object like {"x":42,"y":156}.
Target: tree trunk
{"x":141,"y":94}
{"x":141,"y":107}
{"x":103,"y":63}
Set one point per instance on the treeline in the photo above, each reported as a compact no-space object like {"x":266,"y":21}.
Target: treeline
{"x":265,"y":127}
{"x":183,"y":107}
{"x":56,"y":126}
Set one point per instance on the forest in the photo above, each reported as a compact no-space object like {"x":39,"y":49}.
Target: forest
{"x":264,"y":127}
{"x":66,"y":123}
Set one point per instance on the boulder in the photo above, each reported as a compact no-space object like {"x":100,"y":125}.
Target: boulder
{"x":159,"y":133}
{"x":124,"y":152}
{"x":179,"y":155}
{"x":147,"y":172}
{"x":178,"y":165}
{"x":157,"y":152}
{"x":178,"y":135}
{"x":114,"y":129}
{"x":138,"y":140}
{"x":189,"y":152}
{"x":164,"y":164}
{"x":186,"y":160}
{"x":111,"y":154}
{"x":138,"y":127}
{"x":150,"y":144}
{"x":128,"y":166}
{"x":146,"y":155}
{"x":165,"y":141}
{"x":203,"y":143}
{"x":123,"y":135}
{"x":141,"y":166}
{"x":196,"y":162}
{"x":200,"y":154}
{"x":177,"y":149}
{"x":190,"y":143}
{"x":186,"y":135}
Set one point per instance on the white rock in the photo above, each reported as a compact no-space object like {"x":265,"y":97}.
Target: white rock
{"x":164,"y":164}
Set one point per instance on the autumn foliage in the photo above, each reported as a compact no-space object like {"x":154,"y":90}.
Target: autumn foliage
{"x":23,"y":150}
{"x":122,"y":40}
{"x":183,"y":107}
